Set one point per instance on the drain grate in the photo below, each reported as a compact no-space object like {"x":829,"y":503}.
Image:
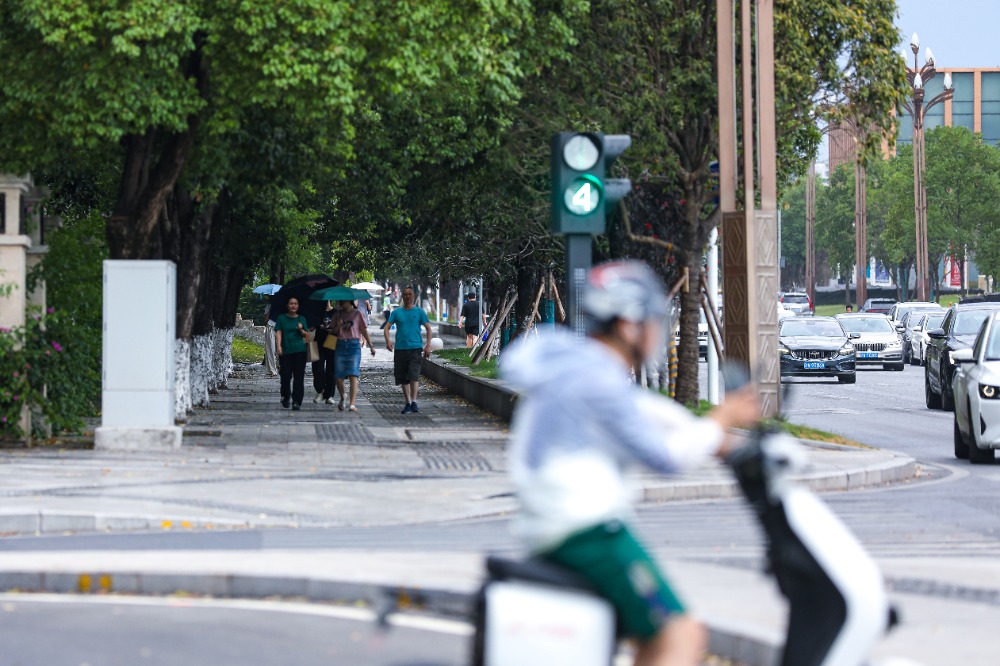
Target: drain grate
{"x":453,"y":456}
{"x":344,"y":432}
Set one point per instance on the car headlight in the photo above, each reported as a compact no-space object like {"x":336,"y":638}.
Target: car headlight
{"x":989,"y":392}
{"x":895,"y":343}
{"x":783,"y":350}
{"x":846,"y":350}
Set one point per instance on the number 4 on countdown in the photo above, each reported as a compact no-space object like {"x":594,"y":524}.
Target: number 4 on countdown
{"x":582,"y":197}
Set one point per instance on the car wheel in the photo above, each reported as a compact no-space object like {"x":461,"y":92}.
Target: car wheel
{"x":931,"y":399}
{"x":847,"y":379}
{"x":907,"y":356}
{"x":914,"y":360}
{"x":947,"y":399}
{"x":978,"y":456}
{"x":961,"y":446}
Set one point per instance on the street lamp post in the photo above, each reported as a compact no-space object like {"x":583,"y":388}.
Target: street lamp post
{"x":917,"y":108}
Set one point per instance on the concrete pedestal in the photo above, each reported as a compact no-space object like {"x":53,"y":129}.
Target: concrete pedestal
{"x":137,"y":439}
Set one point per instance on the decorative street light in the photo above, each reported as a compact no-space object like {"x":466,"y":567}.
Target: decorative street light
{"x":917,"y":108}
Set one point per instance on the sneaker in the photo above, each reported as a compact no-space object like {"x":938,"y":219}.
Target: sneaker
{"x":318,"y":399}
{"x":296,"y":407}
{"x":284,"y":403}
{"x":414,"y":408}
{"x":331,"y":401}
{"x":407,"y":409}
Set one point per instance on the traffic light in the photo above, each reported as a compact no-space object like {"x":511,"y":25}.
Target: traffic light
{"x":581,"y":195}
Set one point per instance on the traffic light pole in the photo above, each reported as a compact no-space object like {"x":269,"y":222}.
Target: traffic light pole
{"x":578,"y":261}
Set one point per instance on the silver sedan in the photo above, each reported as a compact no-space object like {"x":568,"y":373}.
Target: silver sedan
{"x":878,"y":341}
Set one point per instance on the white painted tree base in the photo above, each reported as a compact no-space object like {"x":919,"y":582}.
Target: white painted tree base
{"x":201,"y":369}
{"x":182,"y":379}
{"x":167,"y":438}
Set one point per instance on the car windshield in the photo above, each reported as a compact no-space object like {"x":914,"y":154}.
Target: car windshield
{"x":933,"y":321}
{"x":969,"y":323}
{"x":993,"y":345}
{"x":796,"y":298}
{"x":867,"y":325}
{"x":804,"y":326}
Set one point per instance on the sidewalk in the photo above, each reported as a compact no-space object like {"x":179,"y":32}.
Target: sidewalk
{"x":248,"y":463}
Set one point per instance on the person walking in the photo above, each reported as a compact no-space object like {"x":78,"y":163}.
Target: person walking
{"x":471,"y":318}
{"x":406,"y":351}
{"x":328,"y":351}
{"x":570,"y":451}
{"x":292,"y":333}
{"x":351,"y":329}
{"x":319,"y":366}
{"x":270,"y":346}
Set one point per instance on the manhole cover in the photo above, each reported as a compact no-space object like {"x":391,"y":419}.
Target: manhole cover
{"x":452,"y":455}
{"x":344,"y":432}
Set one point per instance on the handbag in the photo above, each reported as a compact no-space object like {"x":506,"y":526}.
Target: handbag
{"x":312,"y":349}
{"x":330,"y":342}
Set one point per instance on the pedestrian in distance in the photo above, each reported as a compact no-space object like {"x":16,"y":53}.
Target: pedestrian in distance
{"x":849,"y":308}
{"x":570,"y":450}
{"x":351,"y":329}
{"x":292,"y":333}
{"x":270,"y":344}
{"x":471,"y":317}
{"x":328,"y":350}
{"x":406,"y":358}
{"x":319,"y":366}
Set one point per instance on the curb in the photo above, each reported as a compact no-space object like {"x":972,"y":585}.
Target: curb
{"x":44,"y":522}
{"x":491,"y":396}
{"x":751,"y":647}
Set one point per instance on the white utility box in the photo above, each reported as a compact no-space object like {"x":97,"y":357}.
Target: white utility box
{"x":140,"y":311}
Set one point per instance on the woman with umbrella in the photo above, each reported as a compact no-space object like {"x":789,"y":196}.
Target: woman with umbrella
{"x":291,"y":332}
{"x":350,"y":328}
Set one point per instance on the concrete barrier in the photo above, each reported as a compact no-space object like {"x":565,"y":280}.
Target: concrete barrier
{"x":487,"y":394}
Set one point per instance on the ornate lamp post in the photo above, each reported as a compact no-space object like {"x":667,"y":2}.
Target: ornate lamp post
{"x":917,"y":108}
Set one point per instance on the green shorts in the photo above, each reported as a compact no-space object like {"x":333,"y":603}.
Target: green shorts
{"x":620,"y":570}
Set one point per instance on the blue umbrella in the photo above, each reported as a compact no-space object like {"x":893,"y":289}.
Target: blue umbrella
{"x":268,"y":289}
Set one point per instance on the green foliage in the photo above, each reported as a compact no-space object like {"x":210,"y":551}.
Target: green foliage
{"x":245,"y":351}
{"x":487,"y":369}
{"x":73,"y":273}
{"x":30,"y":357}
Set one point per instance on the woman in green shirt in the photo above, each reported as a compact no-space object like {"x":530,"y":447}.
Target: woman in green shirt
{"x":291,"y":332}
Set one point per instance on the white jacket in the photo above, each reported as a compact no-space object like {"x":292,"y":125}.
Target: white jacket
{"x":579,"y":423}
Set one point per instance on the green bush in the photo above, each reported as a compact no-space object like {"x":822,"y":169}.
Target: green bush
{"x":29,"y":356}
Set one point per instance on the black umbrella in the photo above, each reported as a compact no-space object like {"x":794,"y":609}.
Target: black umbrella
{"x":301,"y":288}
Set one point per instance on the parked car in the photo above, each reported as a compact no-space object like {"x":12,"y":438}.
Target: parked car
{"x":926,"y":321}
{"x":899,"y":310}
{"x":797,"y":303}
{"x":907,"y":322}
{"x":976,"y":387}
{"x":878,"y":305}
{"x":877,"y":341}
{"x":958,"y":330}
{"x":815,"y":347}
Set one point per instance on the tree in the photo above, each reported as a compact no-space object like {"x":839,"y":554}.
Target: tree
{"x":835,"y":223}
{"x":793,"y":235}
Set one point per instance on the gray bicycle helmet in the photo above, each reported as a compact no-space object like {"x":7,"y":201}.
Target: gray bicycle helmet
{"x":628,"y":290}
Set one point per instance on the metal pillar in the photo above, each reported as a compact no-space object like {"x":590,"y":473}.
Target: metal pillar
{"x":578,"y":261}
{"x":861,"y":230}
{"x":811,"y":232}
{"x":712,"y":278}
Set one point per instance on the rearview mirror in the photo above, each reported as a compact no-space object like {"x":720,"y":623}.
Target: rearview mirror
{"x":936,"y":333}
{"x":900,"y":327}
{"x":853,"y":336}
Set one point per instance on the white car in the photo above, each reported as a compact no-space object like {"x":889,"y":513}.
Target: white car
{"x":877,"y":341}
{"x":783,"y":311}
{"x":927,"y":321}
{"x":976,"y":387}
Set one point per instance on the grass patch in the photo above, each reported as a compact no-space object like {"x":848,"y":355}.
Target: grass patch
{"x":793,"y":429}
{"x":486,"y":369}
{"x":245,"y":351}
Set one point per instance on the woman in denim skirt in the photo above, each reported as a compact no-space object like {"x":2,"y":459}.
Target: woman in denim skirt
{"x":351,"y":329}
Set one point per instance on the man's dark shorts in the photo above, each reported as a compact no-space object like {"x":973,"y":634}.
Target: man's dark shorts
{"x":471,"y":330}
{"x":406,"y":365}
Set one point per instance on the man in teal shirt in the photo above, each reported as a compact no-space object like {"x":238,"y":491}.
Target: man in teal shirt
{"x":407,"y":350}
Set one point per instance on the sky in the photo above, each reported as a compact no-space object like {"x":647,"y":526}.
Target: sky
{"x":961,"y":33}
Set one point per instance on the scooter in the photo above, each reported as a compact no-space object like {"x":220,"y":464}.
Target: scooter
{"x":533,"y":612}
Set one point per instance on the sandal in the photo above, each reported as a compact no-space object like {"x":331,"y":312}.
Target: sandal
{"x":352,"y":408}
{"x":340,"y":405}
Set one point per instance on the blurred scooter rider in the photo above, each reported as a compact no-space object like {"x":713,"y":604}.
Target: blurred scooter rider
{"x":579,"y":422}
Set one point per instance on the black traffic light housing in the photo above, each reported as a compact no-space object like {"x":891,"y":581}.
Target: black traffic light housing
{"x":581,"y":193}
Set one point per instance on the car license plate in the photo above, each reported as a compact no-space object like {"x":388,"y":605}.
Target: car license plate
{"x":867,"y":354}
{"x":814,"y":365}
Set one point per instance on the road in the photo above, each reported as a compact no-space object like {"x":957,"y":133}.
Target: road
{"x":951,"y":511}
{"x":55,"y":630}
